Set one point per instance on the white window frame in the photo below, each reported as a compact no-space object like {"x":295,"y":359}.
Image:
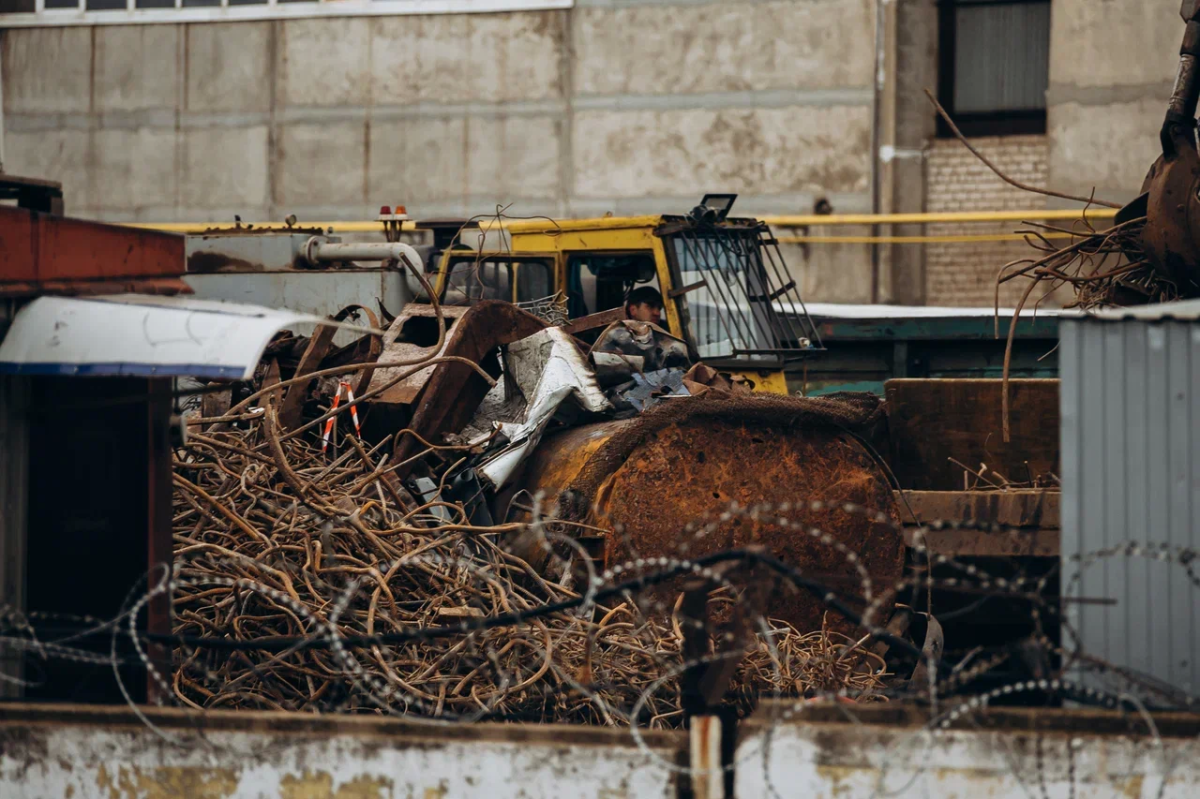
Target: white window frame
{"x":271,"y":9}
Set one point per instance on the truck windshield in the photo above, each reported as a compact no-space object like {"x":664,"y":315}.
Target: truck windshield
{"x":740,"y":300}
{"x":474,"y":277}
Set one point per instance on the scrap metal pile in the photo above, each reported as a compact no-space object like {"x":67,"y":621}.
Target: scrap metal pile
{"x":294,"y":535}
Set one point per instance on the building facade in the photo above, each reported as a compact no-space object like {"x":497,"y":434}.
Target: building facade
{"x":199,"y":110}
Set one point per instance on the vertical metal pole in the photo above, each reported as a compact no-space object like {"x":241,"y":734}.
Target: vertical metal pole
{"x":708,"y":774}
{"x":159,"y":553}
{"x":2,"y":37}
{"x":876,"y":122}
{"x":14,"y":491}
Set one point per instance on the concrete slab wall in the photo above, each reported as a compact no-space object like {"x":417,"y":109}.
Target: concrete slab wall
{"x":784,"y":750}
{"x":627,"y":106}
{"x":637,"y":107}
{"x":84,"y":752}
{"x":1112,"y":65}
{"x":861,"y":753}
{"x":596,"y":109}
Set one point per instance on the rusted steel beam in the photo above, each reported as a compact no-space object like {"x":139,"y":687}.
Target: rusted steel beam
{"x":1034,"y":513}
{"x":976,"y":543}
{"x":593,"y":321}
{"x":318,"y":346}
{"x":454,"y":390}
{"x":1016,"y":508}
{"x":43,"y":253}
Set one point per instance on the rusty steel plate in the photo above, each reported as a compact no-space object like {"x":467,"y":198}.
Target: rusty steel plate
{"x":692,"y":467}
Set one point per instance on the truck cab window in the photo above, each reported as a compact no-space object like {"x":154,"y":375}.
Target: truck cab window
{"x":471,"y":280}
{"x":599,"y":281}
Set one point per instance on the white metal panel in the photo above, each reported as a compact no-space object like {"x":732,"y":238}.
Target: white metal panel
{"x":865,"y":311}
{"x":320,"y":292}
{"x":1183,"y":311}
{"x":141,"y":335}
{"x":272,"y":10}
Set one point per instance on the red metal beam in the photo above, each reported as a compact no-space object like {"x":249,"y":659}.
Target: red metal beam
{"x":45,"y":254}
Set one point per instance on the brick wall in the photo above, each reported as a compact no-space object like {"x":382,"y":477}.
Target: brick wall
{"x":965,"y":273}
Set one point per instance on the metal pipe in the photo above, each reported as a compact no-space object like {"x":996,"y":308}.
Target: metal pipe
{"x":876,"y":139}
{"x":777,"y":220}
{"x":2,"y":102}
{"x":318,"y":250}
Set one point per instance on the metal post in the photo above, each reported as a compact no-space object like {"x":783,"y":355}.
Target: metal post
{"x":707,"y":771}
{"x":2,"y":34}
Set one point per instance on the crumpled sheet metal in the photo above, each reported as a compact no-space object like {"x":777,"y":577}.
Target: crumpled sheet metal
{"x":656,"y":348}
{"x":649,"y":388}
{"x":396,"y":350}
{"x":548,"y":369}
{"x":455,"y":390}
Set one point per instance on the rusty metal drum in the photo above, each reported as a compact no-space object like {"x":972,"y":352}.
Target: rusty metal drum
{"x":643,"y":480}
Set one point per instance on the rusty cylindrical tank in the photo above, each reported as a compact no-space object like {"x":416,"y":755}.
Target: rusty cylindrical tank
{"x":648,"y":476}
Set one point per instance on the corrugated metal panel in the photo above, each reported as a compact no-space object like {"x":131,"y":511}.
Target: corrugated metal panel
{"x":1131,"y":473}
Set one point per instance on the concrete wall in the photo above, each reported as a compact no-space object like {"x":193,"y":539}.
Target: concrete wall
{"x":615,"y":105}
{"x":88,"y":751}
{"x":873,"y":751}
{"x":601,"y":108}
{"x":785,"y":750}
{"x":1112,"y":65}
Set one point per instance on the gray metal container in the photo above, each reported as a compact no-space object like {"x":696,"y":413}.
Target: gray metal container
{"x":267,"y":268}
{"x":1131,"y":474}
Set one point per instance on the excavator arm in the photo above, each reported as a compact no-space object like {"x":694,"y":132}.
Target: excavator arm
{"x":1179,"y":127}
{"x":1169,"y":201}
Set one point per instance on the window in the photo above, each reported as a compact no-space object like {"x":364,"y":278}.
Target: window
{"x":472,"y":278}
{"x":535,"y":281}
{"x":42,"y":13}
{"x":994,"y":65}
{"x":599,"y":281}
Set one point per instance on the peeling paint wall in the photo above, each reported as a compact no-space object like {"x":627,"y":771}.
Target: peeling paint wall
{"x":625,"y":108}
{"x":107,"y":754}
{"x":850,"y":760}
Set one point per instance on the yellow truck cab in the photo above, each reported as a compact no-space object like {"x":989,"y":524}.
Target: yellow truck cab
{"x":726,"y":290}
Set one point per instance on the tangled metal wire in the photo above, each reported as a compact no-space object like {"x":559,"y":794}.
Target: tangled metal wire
{"x":269,"y":535}
{"x":349,"y":601}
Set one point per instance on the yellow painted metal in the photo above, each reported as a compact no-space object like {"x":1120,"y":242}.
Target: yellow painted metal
{"x":963,"y":239}
{"x":548,"y":227}
{"x":805,"y":220}
{"x":666,"y":284}
{"x":588,"y":235}
{"x":540,"y":238}
{"x":342,"y":226}
{"x":762,"y":380}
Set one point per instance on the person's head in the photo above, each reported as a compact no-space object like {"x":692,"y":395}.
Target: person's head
{"x":644,"y":304}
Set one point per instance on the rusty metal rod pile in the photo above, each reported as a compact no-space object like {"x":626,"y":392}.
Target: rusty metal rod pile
{"x":274,"y":538}
{"x":1104,"y":267}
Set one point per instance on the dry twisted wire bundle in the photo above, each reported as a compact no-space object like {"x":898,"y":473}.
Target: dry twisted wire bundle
{"x":1104,"y":267}
{"x":274,"y":539}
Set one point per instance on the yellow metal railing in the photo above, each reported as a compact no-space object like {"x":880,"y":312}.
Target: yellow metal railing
{"x":1093,"y":215}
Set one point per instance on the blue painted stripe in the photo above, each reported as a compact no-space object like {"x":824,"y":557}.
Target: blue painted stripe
{"x":122,"y":369}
